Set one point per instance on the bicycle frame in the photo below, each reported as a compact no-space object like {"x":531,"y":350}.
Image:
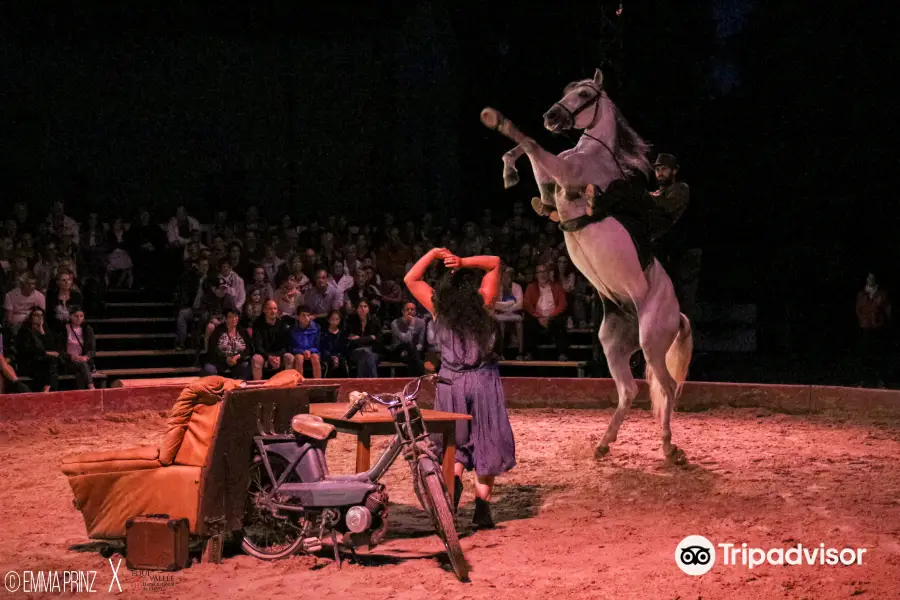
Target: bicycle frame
{"x":408,"y":423}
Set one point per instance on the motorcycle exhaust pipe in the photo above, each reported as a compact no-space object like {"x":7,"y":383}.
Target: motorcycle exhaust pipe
{"x":358,"y":519}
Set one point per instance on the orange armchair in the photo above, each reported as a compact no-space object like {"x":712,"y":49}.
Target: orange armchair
{"x":181,"y":477}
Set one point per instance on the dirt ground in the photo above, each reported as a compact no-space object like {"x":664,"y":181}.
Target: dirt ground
{"x":568,"y":526}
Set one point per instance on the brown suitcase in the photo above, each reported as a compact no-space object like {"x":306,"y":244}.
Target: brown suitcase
{"x":156,"y":543}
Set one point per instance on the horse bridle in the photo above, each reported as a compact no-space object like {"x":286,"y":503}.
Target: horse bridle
{"x":572,"y":114}
{"x":581,"y":108}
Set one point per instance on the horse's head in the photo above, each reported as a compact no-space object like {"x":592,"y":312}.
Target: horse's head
{"x":579,"y":106}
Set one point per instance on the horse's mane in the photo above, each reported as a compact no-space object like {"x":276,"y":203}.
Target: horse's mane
{"x":632,"y":151}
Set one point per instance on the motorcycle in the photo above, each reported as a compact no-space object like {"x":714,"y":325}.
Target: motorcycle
{"x":293,"y":503}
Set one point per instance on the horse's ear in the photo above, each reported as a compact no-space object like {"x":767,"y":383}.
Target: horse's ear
{"x":598,"y":78}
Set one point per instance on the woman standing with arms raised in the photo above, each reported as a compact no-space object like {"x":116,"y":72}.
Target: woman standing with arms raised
{"x":465,"y":332}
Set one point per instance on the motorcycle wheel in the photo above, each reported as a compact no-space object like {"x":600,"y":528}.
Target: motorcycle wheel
{"x":263,"y":535}
{"x":435,"y":493}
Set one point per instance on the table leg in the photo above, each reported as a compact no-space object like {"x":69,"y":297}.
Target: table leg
{"x":449,"y":431}
{"x":363,"y":447}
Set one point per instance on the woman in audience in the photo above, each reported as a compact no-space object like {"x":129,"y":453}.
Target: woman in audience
{"x":334,"y":347}
{"x":288,"y":297}
{"x":508,"y":309}
{"x":364,"y":340}
{"x":230,"y":349}
{"x":261,"y":281}
{"x":80,"y":347}
{"x":252,"y":308}
{"x":9,"y":380}
{"x":565,"y":274}
{"x":61,"y":299}
{"x":118,"y":261}
{"x":37,"y":352}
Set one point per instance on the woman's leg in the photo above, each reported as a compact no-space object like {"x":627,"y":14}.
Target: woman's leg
{"x":241,"y":371}
{"x":82,"y":372}
{"x":52,"y":366}
{"x":484,"y":486}
{"x":520,"y":338}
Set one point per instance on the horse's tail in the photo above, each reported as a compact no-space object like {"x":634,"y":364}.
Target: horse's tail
{"x":678,"y":359}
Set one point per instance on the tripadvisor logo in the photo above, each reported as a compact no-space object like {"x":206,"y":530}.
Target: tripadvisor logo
{"x":696,"y":555}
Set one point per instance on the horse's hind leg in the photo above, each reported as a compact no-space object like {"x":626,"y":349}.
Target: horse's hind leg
{"x":659,"y":320}
{"x":619,"y":338}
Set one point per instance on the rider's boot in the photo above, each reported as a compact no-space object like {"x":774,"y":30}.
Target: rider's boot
{"x":482,"y":518}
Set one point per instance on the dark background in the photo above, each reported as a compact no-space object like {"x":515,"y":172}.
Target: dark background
{"x":778,"y":111}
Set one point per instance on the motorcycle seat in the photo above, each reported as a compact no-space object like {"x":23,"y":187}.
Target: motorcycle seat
{"x":312,"y":426}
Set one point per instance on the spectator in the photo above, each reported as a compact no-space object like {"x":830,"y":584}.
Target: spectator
{"x":19,"y":268}
{"x":363,"y":289}
{"x":60,"y":299}
{"x":145,"y":242}
{"x":233,"y":283}
{"x":46,"y":266}
{"x":364,"y":340}
{"x":351,"y":261}
{"x":873,"y":310}
{"x":393,"y":256}
{"x":92,"y":236}
{"x":80,"y":347}
{"x":304,"y":341}
{"x":23,"y":221}
{"x":287,"y":298}
{"x":271,"y":264}
{"x":216,"y":302}
{"x":508,"y":309}
{"x":37,"y":351}
{"x":180,"y":228}
{"x":408,"y":340}
{"x":18,"y":302}
{"x":253,"y":308}
{"x":339,"y":278}
{"x":322,"y":298}
{"x":392,"y":299}
{"x":545,"y":307}
{"x":9,"y":380}
{"x":231,"y":349}
{"x":238,"y":259}
{"x":333,"y":346}
{"x":118,"y":261}
{"x":432,"y":345}
{"x":61,"y":224}
{"x":190,"y":295}
{"x":270,"y":342}
{"x":261,"y":282}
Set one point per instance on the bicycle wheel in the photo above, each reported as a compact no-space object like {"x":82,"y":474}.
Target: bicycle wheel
{"x":435,"y":493}
{"x":263,"y":535}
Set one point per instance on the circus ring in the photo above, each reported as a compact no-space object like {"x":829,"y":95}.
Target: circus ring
{"x":769,"y":466}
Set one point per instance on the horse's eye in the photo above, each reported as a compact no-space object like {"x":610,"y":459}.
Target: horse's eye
{"x":584,"y":94}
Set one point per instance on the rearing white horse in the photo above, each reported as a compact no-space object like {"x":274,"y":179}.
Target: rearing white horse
{"x":603,"y":210}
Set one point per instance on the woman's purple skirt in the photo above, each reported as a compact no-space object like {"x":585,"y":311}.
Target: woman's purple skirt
{"x":486,"y":443}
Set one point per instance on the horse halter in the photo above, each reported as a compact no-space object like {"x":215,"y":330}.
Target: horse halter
{"x":573,"y":114}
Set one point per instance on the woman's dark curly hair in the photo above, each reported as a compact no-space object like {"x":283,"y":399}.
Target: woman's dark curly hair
{"x":460,"y":307}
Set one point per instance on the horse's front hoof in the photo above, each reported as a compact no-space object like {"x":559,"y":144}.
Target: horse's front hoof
{"x":677,"y":456}
{"x":600,"y":451}
{"x":510,"y":178}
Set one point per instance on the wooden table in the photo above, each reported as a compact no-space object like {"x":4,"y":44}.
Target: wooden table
{"x":365,"y":425}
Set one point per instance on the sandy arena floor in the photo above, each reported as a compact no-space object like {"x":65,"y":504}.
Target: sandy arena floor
{"x":569,"y":527}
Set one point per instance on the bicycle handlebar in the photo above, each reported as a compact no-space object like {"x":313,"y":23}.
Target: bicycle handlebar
{"x":360,"y":399}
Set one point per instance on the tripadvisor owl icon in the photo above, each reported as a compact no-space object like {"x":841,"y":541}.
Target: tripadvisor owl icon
{"x":695,"y":555}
